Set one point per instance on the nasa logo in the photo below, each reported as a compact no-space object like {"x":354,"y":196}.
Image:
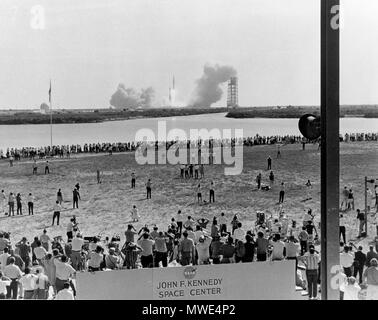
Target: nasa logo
{"x":189,"y":272}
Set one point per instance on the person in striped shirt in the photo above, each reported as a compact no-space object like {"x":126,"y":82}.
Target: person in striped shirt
{"x":311,"y":260}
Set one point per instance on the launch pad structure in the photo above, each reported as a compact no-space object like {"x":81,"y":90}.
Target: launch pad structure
{"x":232,"y":93}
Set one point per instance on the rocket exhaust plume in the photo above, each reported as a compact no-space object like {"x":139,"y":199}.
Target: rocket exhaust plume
{"x":208,"y":90}
{"x":130,"y":98}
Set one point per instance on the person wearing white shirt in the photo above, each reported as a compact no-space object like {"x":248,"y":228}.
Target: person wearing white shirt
{"x":57,"y":209}
{"x":3,"y":201}
{"x":28,"y":282}
{"x":4,"y":283}
{"x":65,"y":293}
{"x":3,"y":258}
{"x":346,"y":261}
{"x":222,"y":223}
{"x":278,"y":248}
{"x":352,"y":289}
{"x":203,"y":249}
{"x":39,"y":252}
{"x":63,"y":273}
{"x":77,"y":243}
{"x":14,"y":273}
{"x":239,"y":233}
{"x":31,"y":204}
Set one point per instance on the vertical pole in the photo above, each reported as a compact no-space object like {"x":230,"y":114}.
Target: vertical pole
{"x":330,"y":110}
{"x":50,"y":118}
{"x":366,"y":211}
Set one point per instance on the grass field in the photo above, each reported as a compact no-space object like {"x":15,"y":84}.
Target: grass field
{"x":106,"y":207}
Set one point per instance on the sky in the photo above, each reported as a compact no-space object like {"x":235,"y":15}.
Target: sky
{"x":88,"y":47}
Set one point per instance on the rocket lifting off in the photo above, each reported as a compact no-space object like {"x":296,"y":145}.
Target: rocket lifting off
{"x":172,"y":93}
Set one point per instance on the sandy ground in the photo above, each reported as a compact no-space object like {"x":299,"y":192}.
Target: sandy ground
{"x":106,"y":207}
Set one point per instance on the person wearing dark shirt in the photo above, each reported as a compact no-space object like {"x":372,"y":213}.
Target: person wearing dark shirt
{"x":228,"y":251}
{"x":359,"y":262}
{"x":215,"y":249}
{"x":361,"y":220}
{"x":269,"y":163}
{"x":249,"y":247}
{"x":262,"y":247}
{"x":24,"y":250}
{"x":76,"y":197}
{"x":33,"y":246}
{"x":370,"y":255}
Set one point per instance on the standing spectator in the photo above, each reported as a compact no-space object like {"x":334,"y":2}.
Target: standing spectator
{"x":11,"y":201}
{"x":239,"y":251}
{"x":186,"y":250}
{"x":342,"y":227}
{"x":130,"y":234}
{"x":4,"y":242}
{"x":199,"y":194}
{"x":47,"y":167}
{"x":32,"y":247}
{"x":133,"y":180}
{"x":131,"y":255}
{"x":202,"y":171}
{"x":222,"y":223}
{"x":28,"y":282}
{"x":96,"y":259}
{"x":196,"y":169}
{"x":371,"y":255}
{"x":45,"y":240}
{"x":212,"y":192}
{"x":179,"y":221}
{"x":182,"y":169}
{"x":3,"y":200}
{"x":65,"y":293}
{"x":35,"y":167}
{"x":350,"y":200}
{"x":31,"y":204}
{"x":161,"y":250}
{"x":63,"y":272}
{"x":361,"y":220}
{"x":278,"y":251}
{"x":146,"y":255}
{"x":215,"y":249}
{"x":262,"y":247}
{"x":40,"y":252}
{"x":57,"y":208}
{"x":258,"y":180}
{"x":371,"y":279}
{"x":311,"y":260}
{"x":14,"y":273}
{"x":228,"y":251}
{"x":19,"y":204}
{"x":148,"y":188}
{"x":59,"y":196}
{"x":4,"y":258}
{"x":24,"y":250}
{"x":42,"y":285}
{"x":292,"y":249}
{"x":203,"y":250}
{"x":239,"y":233}
{"x":3,"y":285}
{"x":282,"y":193}
{"x":249,"y":248}
{"x":134,"y":214}
{"x":269,"y":160}
{"x":70,"y":228}
{"x":345,"y":196}
{"x":351,"y":290}
{"x":278,"y":151}
{"x":234,"y":223}
{"x":112,"y":261}
{"x":77,"y":244}
{"x":214,"y":228}
{"x":359,"y":262}
{"x":76,"y":197}
{"x":346,"y":261}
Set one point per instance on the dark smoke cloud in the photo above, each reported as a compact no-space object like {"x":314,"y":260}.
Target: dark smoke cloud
{"x":208,"y":90}
{"x":130,"y":98}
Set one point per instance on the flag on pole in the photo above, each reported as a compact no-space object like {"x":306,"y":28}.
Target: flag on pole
{"x":50,"y":92}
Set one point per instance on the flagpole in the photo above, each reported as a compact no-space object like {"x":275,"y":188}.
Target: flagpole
{"x":50,"y":120}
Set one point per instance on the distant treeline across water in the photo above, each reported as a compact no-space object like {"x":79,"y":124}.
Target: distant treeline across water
{"x":365,"y":111}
